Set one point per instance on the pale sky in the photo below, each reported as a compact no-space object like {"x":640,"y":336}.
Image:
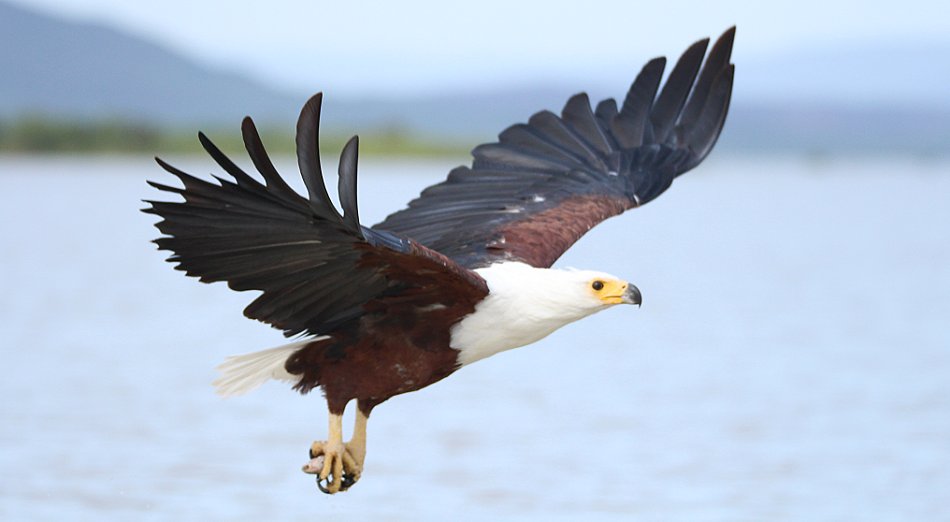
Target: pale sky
{"x":424,"y":46}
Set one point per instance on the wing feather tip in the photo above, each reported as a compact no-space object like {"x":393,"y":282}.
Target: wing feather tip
{"x":347,"y":171}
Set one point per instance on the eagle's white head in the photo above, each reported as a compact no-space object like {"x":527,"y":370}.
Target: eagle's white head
{"x":525,"y":304}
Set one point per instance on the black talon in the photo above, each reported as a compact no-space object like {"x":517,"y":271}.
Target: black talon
{"x":323,"y":489}
{"x":348,"y":480}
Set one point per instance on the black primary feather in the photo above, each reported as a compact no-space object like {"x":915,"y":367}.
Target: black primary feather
{"x":258,"y":154}
{"x":630,"y":125}
{"x":347,"y":185}
{"x":308,"y":158}
{"x":669,"y":104}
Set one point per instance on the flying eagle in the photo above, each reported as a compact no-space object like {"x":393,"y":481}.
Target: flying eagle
{"x":463,"y":272}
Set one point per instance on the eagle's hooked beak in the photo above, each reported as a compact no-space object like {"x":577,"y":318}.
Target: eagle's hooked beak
{"x":632,"y":295}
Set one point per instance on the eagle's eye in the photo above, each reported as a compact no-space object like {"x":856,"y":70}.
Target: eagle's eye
{"x":597,"y":285}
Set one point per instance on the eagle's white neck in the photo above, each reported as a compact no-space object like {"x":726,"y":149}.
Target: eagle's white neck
{"x":524,"y":305}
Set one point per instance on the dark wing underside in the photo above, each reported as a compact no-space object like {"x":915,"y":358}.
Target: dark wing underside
{"x":317,"y":269}
{"x":530,"y":196}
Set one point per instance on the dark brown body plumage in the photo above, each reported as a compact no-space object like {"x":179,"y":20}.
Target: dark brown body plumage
{"x":390,"y":357}
{"x":401,"y":343}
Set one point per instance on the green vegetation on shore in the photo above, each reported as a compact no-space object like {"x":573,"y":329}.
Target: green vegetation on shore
{"x":39,"y":135}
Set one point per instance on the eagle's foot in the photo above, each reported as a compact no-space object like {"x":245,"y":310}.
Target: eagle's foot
{"x":334,"y":465}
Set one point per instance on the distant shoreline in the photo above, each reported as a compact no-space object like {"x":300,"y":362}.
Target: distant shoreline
{"x":41,"y":136}
{"x":44,"y":135}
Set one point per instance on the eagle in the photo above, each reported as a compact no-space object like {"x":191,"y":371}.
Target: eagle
{"x":463,"y":272}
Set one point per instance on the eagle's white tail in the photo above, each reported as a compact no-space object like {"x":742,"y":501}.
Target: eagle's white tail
{"x":243,"y":373}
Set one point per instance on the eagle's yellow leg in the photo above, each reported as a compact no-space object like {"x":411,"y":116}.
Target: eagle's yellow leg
{"x":331,"y":461}
{"x":356,"y":447}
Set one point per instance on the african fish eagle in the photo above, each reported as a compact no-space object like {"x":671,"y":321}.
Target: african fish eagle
{"x":463,"y":272}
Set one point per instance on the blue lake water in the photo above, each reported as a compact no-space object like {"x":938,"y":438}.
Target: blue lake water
{"x":791,"y":361}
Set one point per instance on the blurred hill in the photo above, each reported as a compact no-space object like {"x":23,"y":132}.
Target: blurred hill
{"x":67,"y":69}
{"x":881,"y":98}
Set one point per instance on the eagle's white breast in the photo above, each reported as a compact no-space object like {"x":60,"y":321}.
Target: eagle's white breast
{"x":524,"y":305}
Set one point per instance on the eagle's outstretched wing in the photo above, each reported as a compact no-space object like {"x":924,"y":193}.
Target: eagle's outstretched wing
{"x":530,"y":196}
{"x":317,"y":269}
